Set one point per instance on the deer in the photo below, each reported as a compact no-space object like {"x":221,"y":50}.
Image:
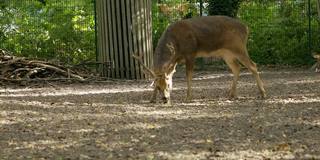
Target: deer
{"x":316,"y":66}
{"x":185,"y":40}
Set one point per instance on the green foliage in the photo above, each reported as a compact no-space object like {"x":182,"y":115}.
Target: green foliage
{"x":224,"y":7}
{"x":56,"y":30}
{"x":278,"y":29}
{"x":159,"y":23}
{"x":277,"y":45}
{"x":166,"y":12}
{"x":278,"y":32}
{"x":64,"y":30}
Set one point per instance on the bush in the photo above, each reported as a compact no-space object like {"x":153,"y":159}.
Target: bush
{"x":279,"y":33}
{"x":51,"y":30}
{"x":224,"y":7}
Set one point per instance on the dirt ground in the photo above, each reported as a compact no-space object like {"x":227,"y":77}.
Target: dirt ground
{"x":113,"y":120}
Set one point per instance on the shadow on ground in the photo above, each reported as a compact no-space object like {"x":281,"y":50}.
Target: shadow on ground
{"x":115,"y":121}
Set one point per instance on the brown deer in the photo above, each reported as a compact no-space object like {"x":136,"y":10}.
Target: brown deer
{"x":316,"y":66}
{"x":185,"y":40}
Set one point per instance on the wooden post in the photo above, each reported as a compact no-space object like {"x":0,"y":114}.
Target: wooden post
{"x":124,"y":29}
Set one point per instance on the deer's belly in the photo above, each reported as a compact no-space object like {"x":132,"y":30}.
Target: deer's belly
{"x":216,"y":53}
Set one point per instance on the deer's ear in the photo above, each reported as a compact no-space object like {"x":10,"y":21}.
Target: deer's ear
{"x":171,"y":47}
{"x":152,"y":84}
{"x":172,"y":68}
{"x":167,"y":76}
{"x":316,"y":56}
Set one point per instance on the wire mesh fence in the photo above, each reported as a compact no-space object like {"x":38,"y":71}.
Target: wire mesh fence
{"x":282,"y":31}
{"x":165,"y":12}
{"x":51,"y":29}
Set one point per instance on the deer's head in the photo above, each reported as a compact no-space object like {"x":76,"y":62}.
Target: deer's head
{"x":163,"y":73}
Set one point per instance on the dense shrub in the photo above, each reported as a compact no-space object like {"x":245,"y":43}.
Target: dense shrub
{"x":166,"y":12}
{"x":224,"y":7}
{"x":278,"y":29}
{"x":51,"y":30}
{"x":278,"y":32}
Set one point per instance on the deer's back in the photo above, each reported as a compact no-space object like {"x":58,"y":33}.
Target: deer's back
{"x":208,"y":34}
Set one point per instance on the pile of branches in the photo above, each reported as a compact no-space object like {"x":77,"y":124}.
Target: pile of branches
{"x":22,"y":69}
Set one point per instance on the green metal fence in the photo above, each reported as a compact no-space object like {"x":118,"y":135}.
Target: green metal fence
{"x":51,"y":29}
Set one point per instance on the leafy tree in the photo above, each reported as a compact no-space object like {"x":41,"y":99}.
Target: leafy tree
{"x":224,"y":7}
{"x":278,"y":31}
{"x":49,"y":29}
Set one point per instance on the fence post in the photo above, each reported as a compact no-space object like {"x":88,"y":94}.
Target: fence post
{"x":95,"y":30}
{"x":201,"y":60}
{"x":124,"y":29}
{"x":309,"y":27}
{"x":201,"y":7}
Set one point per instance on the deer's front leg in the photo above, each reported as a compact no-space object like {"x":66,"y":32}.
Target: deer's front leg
{"x":189,"y":71}
{"x":154,"y":95}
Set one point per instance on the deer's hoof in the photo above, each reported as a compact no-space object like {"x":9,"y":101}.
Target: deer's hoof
{"x":262,"y":96}
{"x":233,"y":96}
{"x":167,"y":103}
{"x":153,"y":101}
{"x":188,"y":99}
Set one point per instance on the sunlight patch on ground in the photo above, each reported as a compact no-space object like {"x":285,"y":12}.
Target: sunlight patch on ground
{"x":10,"y":117}
{"x":208,"y":102}
{"x":197,"y":103}
{"x":276,"y":72}
{"x":313,"y":123}
{"x":185,"y":155}
{"x":251,"y":154}
{"x":42,"y":144}
{"x":82,"y":131}
{"x":9,"y":90}
{"x":118,"y":105}
{"x":69,"y":105}
{"x":236,"y":155}
{"x":215,"y":76}
{"x":184,"y":114}
{"x":211,"y":76}
{"x":218,"y":102}
{"x":18,"y":112}
{"x":294,"y":100}
{"x":37,"y":104}
{"x":302,"y":82}
{"x":6,"y":122}
{"x":73,"y":91}
{"x":140,"y":125}
{"x":159,"y":112}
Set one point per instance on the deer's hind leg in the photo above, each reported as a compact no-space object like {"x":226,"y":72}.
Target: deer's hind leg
{"x":154,"y":95}
{"x":247,"y":62}
{"x":189,"y":72}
